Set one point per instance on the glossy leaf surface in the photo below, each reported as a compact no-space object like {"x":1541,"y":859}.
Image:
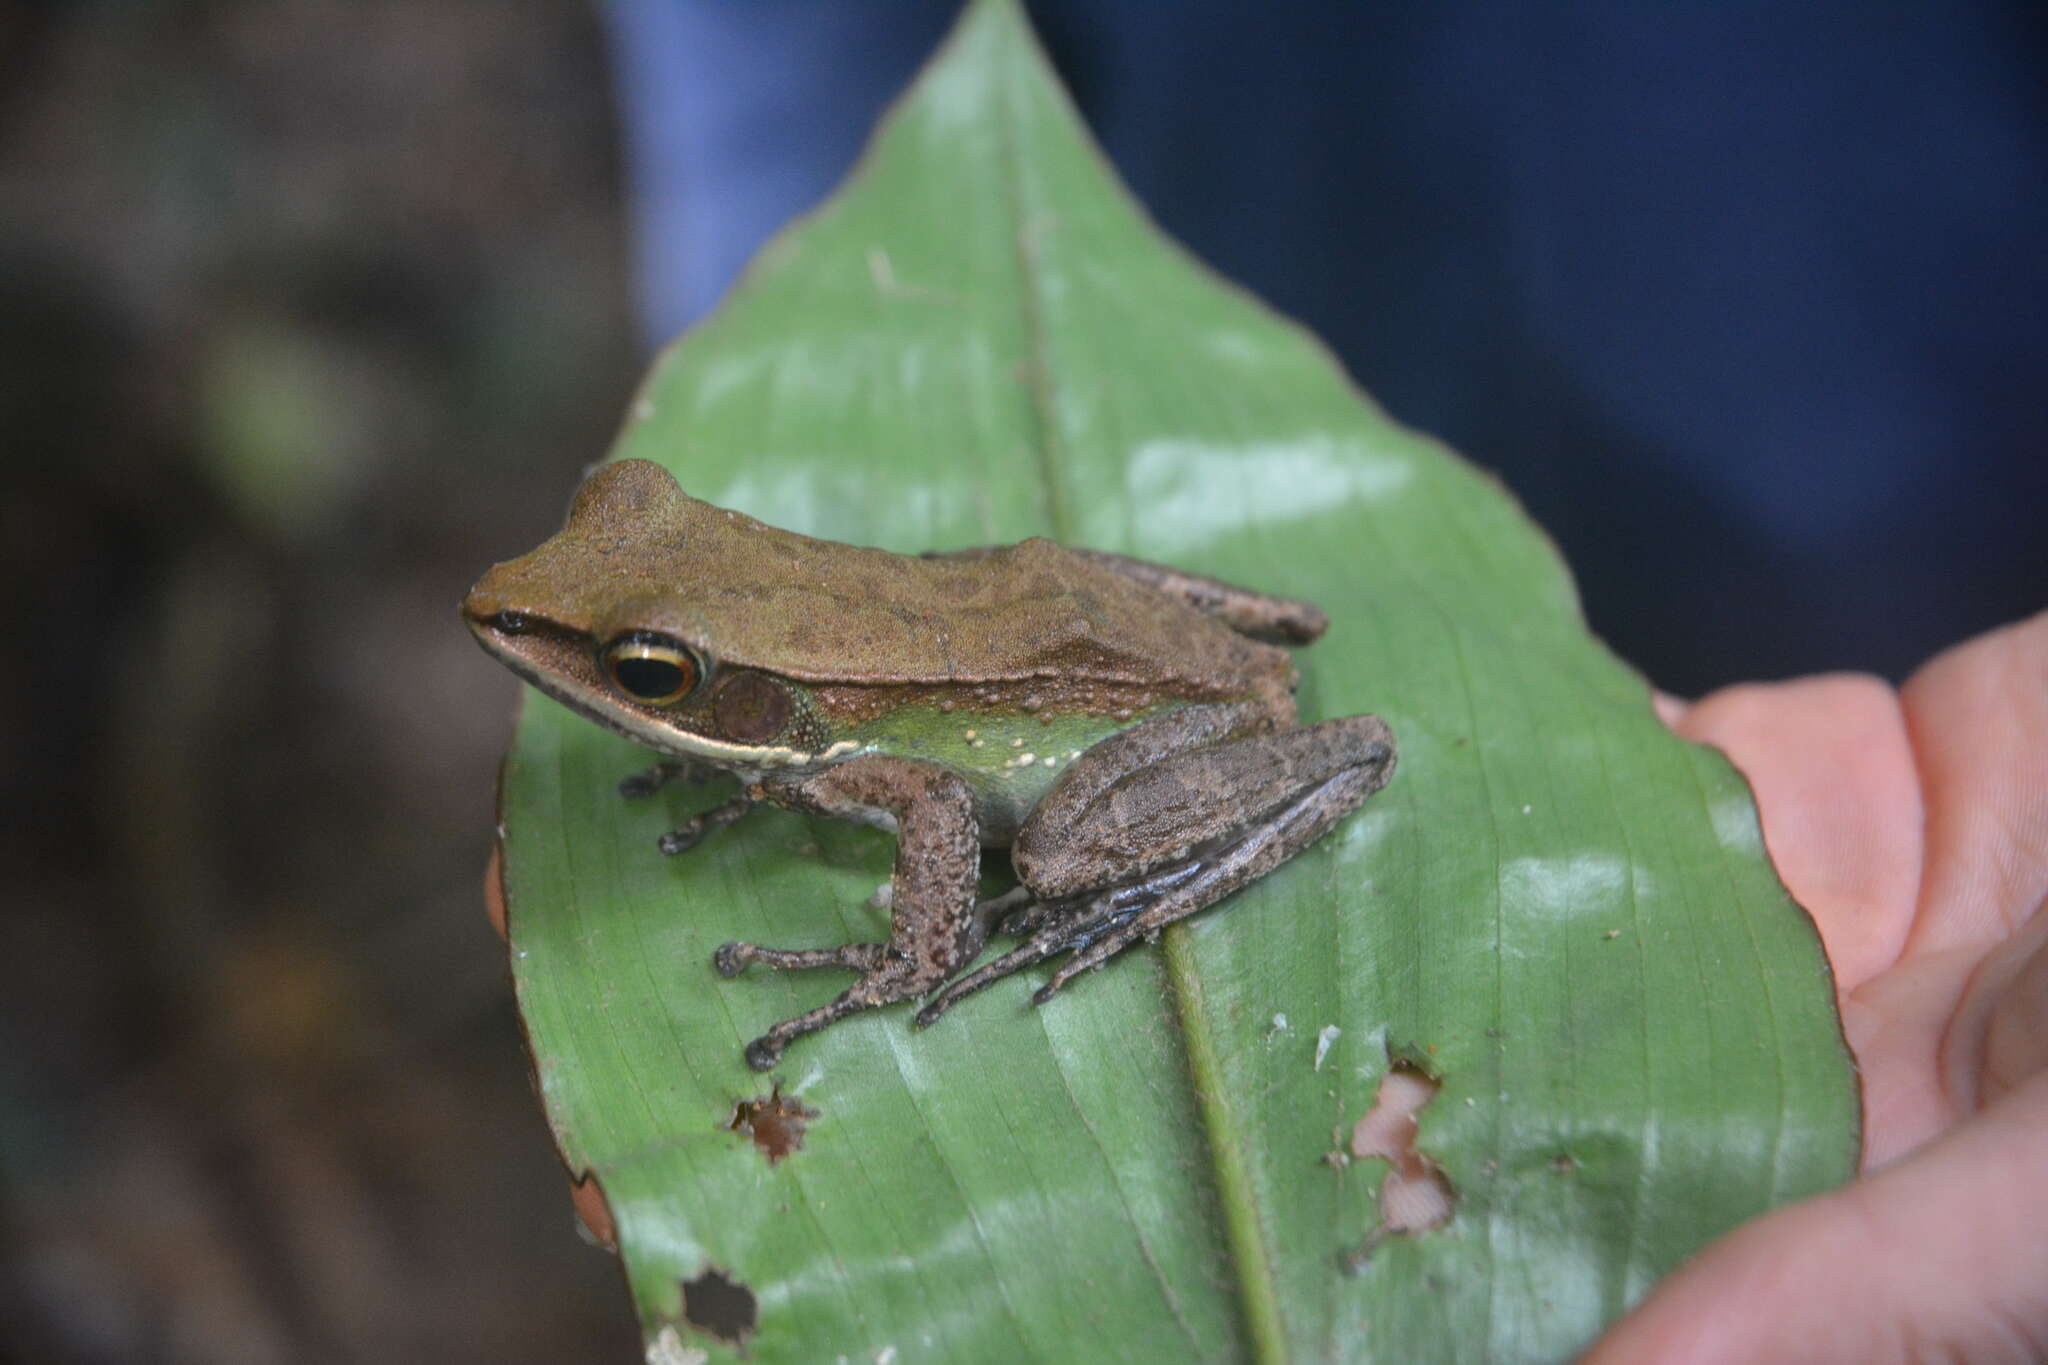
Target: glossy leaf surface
{"x":1558,"y":909}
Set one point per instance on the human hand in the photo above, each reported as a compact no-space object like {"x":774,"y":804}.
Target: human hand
{"x":1914,"y":826}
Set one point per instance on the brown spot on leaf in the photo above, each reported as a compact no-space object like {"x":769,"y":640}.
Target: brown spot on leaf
{"x":714,"y":1302}
{"x":494,"y":889}
{"x":774,"y":1123}
{"x":595,"y":1211}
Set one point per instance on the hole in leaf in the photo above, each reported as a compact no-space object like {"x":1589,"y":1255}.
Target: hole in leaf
{"x":775,"y":1123}
{"x":1416,"y":1195}
{"x":716,"y":1303}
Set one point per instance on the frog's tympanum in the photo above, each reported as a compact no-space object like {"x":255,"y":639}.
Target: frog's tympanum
{"x":1124,"y":729}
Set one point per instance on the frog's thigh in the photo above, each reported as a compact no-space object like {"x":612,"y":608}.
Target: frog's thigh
{"x":1074,"y":800}
{"x":1136,"y":813}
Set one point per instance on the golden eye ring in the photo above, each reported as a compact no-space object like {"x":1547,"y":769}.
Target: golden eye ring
{"x":652,"y":668}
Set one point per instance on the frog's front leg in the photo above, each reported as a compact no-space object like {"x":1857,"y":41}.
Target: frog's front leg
{"x":643,"y":784}
{"x":935,"y":928}
{"x":691,"y":832}
{"x":694,"y":830}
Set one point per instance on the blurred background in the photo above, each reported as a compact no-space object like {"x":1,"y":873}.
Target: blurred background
{"x":308,"y":311}
{"x":311,"y":309}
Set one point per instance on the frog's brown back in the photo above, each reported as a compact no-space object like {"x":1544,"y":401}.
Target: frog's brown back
{"x":637,"y":553}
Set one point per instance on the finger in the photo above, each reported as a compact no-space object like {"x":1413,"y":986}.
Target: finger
{"x":1836,"y":789}
{"x":1671,"y":710}
{"x":1939,"y":1257}
{"x":1999,"y":1037}
{"x":1979,"y":721}
{"x":1895,"y":1023}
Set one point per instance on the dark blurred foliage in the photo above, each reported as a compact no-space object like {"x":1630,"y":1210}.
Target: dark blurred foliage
{"x":307,"y":311}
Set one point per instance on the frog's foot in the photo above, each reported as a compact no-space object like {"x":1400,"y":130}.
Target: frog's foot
{"x":732,"y":958}
{"x":647,"y":783}
{"x":1055,"y":927}
{"x":891,"y":979}
{"x":1091,"y":957}
{"x":1042,"y":946}
{"x":1015,"y":912}
{"x":692,"y":832}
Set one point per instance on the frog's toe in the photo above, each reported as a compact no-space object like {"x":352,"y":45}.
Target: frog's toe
{"x":1028,"y":954}
{"x":731,"y":959}
{"x":1087,"y":957}
{"x":680,"y":840}
{"x":1016,"y":913}
{"x":764,"y":1053}
{"x":1025,"y":922}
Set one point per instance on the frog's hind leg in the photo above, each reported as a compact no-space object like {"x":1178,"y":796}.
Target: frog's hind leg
{"x":1054,"y":928}
{"x":1288,"y":789}
{"x":1279,"y":837}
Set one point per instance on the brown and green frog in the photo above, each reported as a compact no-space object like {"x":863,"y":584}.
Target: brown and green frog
{"x":1125,"y":729}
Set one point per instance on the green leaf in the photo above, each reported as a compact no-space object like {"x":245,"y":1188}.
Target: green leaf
{"x":1559,"y":910}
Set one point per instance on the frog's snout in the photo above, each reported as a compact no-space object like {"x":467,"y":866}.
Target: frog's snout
{"x":485,"y":600}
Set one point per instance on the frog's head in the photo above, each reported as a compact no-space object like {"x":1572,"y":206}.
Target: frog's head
{"x":627,"y":615}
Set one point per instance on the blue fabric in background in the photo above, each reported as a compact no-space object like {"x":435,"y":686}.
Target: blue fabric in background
{"x":1748,"y":304}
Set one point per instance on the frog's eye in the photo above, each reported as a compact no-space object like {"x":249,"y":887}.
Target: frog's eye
{"x":652,"y":668}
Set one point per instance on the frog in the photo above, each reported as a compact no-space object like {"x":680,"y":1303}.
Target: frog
{"x":1124,"y":729}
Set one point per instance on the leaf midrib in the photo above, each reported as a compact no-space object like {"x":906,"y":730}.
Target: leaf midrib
{"x":1224,"y":1134}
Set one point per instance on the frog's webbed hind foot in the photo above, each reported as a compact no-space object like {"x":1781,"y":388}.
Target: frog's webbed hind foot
{"x":1016,"y":912}
{"x":1041,"y":946}
{"x":1057,"y":927}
